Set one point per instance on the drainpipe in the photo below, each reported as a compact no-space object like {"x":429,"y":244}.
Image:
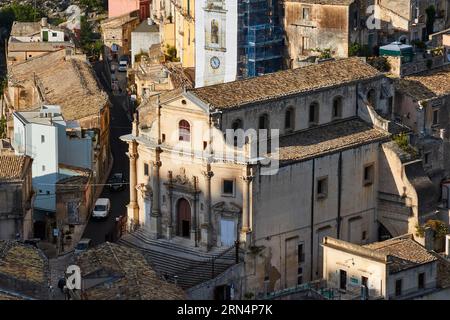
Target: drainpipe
{"x":312,"y":215}
{"x":339,"y":196}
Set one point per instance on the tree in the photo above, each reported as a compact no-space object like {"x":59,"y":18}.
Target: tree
{"x":91,"y":47}
{"x":92,"y":5}
{"x":19,"y":12}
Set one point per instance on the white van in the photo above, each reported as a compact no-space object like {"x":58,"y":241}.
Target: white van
{"x":101,"y":208}
{"x":123,"y":66}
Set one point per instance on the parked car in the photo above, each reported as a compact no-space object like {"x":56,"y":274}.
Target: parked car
{"x":123,"y":65}
{"x":83,"y":245}
{"x":116,"y":182}
{"x":101,"y":208}
{"x":124,"y":58}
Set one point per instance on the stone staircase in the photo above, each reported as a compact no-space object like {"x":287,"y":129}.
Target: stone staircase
{"x":178,"y":262}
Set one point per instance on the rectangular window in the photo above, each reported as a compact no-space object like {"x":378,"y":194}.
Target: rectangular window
{"x":435,"y":117}
{"x":322,"y":188}
{"x":163,"y":138}
{"x":301,"y":254}
{"x":426,"y":158}
{"x":305,"y":43}
{"x":342,"y":279}
{"x":368,"y":174}
{"x":42,"y":138}
{"x":313,"y":113}
{"x":146,"y":169}
{"x":421,"y":280}
{"x":299,"y":279}
{"x":305,"y":13}
{"x":364,"y":235}
{"x":228,"y":187}
{"x":43,"y":168}
{"x":398,"y":287}
{"x":54,"y":34}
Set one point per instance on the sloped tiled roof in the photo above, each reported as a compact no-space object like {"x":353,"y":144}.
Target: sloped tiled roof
{"x":325,"y":139}
{"x":427,"y":85}
{"x":12,"y":166}
{"x":398,"y":253}
{"x":407,"y":253}
{"x":284,"y":83}
{"x":23,"y":262}
{"x":116,"y":272}
{"x":67,"y":82}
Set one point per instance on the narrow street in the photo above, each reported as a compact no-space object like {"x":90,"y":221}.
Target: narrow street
{"x":99,"y":230}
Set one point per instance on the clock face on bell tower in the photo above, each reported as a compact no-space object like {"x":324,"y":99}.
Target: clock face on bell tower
{"x":215,"y":62}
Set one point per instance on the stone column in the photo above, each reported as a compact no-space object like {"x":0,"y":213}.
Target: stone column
{"x":132,"y":207}
{"x":246,"y":229}
{"x":155,"y":223}
{"x":206,"y":229}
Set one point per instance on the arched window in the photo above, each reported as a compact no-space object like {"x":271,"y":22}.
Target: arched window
{"x":313,"y":113}
{"x":337,"y":108}
{"x":184,"y":131}
{"x":237,"y":124}
{"x":289,"y":119}
{"x":371,"y":98}
{"x":214,"y":31}
{"x":263,"y":122}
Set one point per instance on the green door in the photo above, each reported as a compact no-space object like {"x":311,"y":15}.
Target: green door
{"x":45,"y":36}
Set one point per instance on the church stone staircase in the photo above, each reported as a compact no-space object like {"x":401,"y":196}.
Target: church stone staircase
{"x":177,"y":262}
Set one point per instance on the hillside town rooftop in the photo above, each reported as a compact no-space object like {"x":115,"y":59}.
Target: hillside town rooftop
{"x":115,"y":272}
{"x":65,"y":81}
{"x":425,"y":86}
{"x":399,"y":253}
{"x":12,"y":166}
{"x":325,"y":139}
{"x":23,"y":262}
{"x":284,"y":83}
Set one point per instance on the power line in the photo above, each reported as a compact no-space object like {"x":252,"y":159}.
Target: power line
{"x":81,"y":185}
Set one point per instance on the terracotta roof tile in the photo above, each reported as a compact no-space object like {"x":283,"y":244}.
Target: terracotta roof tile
{"x":23,"y":262}
{"x":124,"y":275}
{"x":428,"y":85}
{"x":406,"y":252}
{"x":329,"y":138}
{"x":288,"y":82}
{"x":12,"y":166}
{"x":69,"y":83}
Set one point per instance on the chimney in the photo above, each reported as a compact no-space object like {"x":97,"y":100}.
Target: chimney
{"x":429,"y":238}
{"x":44,"y":22}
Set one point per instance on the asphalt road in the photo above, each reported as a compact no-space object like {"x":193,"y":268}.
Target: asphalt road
{"x":98,"y":230}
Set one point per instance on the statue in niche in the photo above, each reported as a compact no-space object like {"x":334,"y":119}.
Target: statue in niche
{"x":214,"y":31}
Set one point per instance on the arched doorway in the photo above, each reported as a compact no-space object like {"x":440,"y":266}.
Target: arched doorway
{"x":183,"y":218}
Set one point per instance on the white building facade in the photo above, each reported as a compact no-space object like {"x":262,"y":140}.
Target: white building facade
{"x":216,"y":36}
{"x":45,"y":137}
